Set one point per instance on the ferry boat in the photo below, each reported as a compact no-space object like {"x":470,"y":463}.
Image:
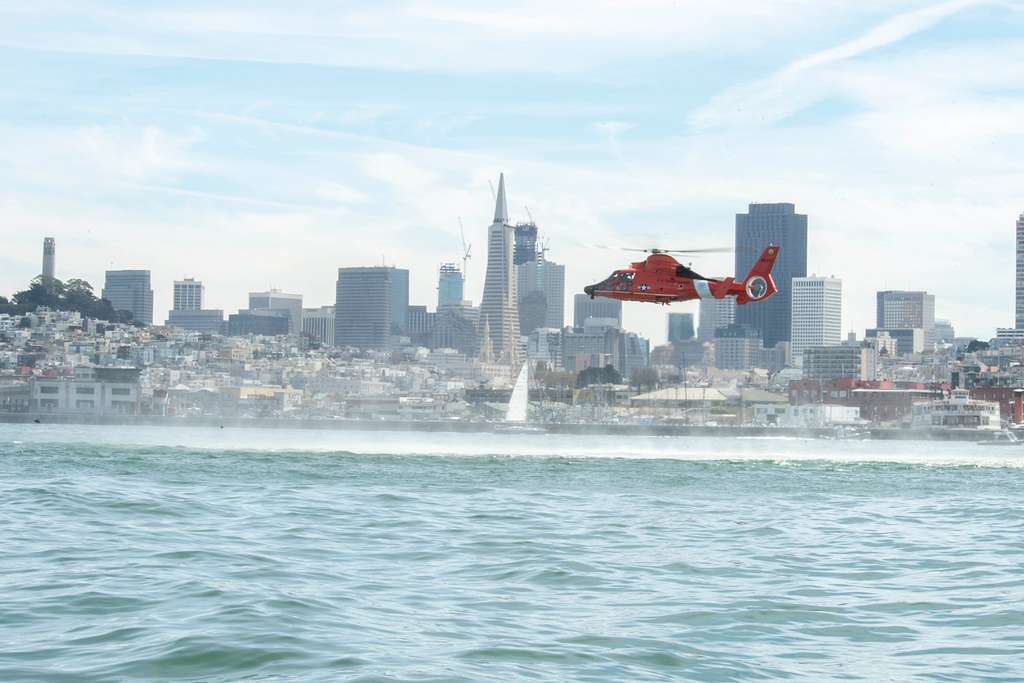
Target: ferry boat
{"x":959,"y":411}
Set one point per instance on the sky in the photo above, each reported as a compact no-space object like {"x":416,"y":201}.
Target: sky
{"x":261,"y":144}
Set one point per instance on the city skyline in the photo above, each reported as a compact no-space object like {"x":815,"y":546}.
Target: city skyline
{"x":592,"y":124}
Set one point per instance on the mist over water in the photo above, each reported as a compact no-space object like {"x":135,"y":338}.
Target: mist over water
{"x":179,"y":554}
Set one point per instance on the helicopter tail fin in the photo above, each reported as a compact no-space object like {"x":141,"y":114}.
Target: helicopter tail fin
{"x":760,"y":284}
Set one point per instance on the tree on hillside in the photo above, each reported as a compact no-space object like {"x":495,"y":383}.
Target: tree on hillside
{"x":74,"y":295}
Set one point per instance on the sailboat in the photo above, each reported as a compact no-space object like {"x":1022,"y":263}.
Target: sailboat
{"x":517,"y":415}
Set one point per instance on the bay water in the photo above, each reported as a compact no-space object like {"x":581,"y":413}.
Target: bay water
{"x":181,"y":554}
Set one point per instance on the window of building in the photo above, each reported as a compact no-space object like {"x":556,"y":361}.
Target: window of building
{"x":120,"y":391}
{"x":85,"y":403}
{"x":48,"y":389}
{"x":89,"y":391}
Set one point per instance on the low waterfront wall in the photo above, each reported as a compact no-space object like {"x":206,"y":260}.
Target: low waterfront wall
{"x":492,"y":427}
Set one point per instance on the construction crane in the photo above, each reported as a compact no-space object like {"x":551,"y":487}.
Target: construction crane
{"x":466,"y":251}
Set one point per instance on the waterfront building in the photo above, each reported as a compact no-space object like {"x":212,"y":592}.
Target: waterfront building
{"x":95,"y":391}
{"x":365,"y":306}
{"x":318,"y":324}
{"x":680,"y":327}
{"x":827,"y":363}
{"x":762,"y":225}
{"x":901,"y":310}
{"x":817,"y":314}
{"x":49,"y":258}
{"x":713,"y":314}
{"x":450,"y":285}
{"x":584,"y":307}
{"x":959,"y":411}
{"x":276,"y":300}
{"x":1020,"y":273}
{"x":129,"y":290}
{"x":499,"y":306}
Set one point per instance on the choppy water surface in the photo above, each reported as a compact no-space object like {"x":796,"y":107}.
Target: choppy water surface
{"x":213,"y":555}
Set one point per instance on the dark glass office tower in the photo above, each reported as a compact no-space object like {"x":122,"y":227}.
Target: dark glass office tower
{"x":762,"y":225}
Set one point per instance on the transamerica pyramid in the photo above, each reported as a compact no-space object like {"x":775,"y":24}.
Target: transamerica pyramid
{"x":499,"y":309}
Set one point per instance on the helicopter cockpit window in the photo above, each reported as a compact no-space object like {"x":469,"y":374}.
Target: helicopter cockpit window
{"x":622,"y":280}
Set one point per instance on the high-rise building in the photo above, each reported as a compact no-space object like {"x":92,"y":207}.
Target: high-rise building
{"x":584,"y":307}
{"x":188,"y":295}
{"x":827,"y":363}
{"x":318,"y":323}
{"x":737,"y":347}
{"x":129,"y":290}
{"x":680,"y":327}
{"x":1020,"y":273}
{"x":420,"y":325}
{"x":49,"y":257}
{"x":276,"y":300}
{"x":898,"y":310}
{"x":713,"y":314}
{"x":762,"y":225}
{"x":400,"y":301}
{"x":188,"y":312}
{"x":540,"y":285}
{"x":450,"y":286}
{"x":817,"y":313}
{"x":499,"y":306}
{"x":365,"y":301}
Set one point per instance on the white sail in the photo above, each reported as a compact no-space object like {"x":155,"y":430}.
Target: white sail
{"x":520,"y":396}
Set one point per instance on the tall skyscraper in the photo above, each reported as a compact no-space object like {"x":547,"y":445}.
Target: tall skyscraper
{"x":817,"y":313}
{"x":499,"y":306}
{"x":188,"y":295}
{"x":584,"y":307}
{"x":365,"y":300}
{"x":714,"y":314}
{"x":276,"y":300}
{"x":762,"y":225}
{"x":1020,"y":273}
{"x":49,"y":257}
{"x":540,"y":285}
{"x":898,"y":310}
{"x":450,"y":286}
{"x":399,"y":301}
{"x":129,"y":290}
{"x":680,"y":327}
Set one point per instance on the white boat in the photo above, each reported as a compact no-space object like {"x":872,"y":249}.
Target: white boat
{"x":519,"y":402}
{"x":1003,"y":438}
{"x":959,"y":411}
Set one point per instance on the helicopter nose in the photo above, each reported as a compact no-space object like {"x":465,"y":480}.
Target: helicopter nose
{"x":589,"y":290}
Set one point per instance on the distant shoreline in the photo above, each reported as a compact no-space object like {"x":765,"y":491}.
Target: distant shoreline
{"x":872,"y":433}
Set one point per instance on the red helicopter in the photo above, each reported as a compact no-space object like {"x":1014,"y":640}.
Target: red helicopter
{"x":661,"y":279}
